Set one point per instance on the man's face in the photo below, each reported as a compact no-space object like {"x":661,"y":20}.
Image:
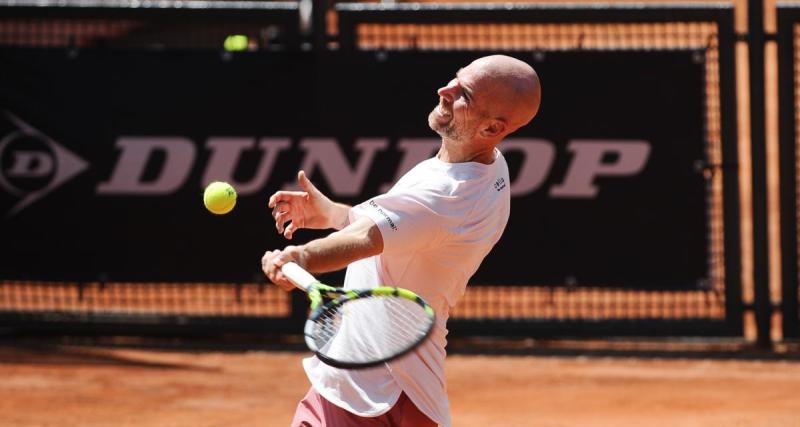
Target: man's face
{"x":458,"y":115}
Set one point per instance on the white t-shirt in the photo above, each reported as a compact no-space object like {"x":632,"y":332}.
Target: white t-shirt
{"x":438,"y":223}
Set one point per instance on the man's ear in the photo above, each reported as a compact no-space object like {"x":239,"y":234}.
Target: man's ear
{"x":494,"y":128}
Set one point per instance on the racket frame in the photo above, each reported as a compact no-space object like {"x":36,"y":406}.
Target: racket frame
{"x":318,"y":291}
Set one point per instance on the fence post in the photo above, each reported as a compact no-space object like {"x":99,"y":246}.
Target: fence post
{"x":731,"y":177}
{"x":758,"y":147}
{"x":788,"y":170}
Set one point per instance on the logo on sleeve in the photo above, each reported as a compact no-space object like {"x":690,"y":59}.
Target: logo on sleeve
{"x":500,"y":184}
{"x":385,"y":215}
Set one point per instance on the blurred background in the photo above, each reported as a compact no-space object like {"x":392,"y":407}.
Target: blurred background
{"x":654,"y":196}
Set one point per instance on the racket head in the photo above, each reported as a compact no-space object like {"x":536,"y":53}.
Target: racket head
{"x":366,"y":328}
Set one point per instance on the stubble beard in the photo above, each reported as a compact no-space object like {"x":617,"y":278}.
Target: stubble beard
{"x":447,"y":129}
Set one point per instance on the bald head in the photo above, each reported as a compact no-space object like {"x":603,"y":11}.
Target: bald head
{"x":514,"y":90}
{"x":485,"y":101}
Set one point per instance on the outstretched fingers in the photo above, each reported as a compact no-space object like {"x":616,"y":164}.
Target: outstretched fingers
{"x":286,"y":196}
{"x":282,"y":213}
{"x":306,"y":184}
{"x":293,"y":210}
{"x":290,"y":229}
{"x":285,"y":213}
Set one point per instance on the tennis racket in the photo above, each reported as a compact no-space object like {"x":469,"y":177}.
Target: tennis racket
{"x":361,"y":328}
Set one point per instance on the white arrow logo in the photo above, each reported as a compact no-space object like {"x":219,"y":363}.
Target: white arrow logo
{"x":59,"y":163}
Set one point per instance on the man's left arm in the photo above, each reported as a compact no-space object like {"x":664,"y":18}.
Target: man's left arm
{"x":360,"y":239}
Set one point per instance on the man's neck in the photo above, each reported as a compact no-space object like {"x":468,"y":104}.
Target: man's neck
{"x":452,"y":153}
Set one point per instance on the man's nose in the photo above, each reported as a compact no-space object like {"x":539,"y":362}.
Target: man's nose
{"x":448,"y":91}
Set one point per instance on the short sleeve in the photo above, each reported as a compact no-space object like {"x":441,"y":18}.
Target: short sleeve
{"x":408,"y":221}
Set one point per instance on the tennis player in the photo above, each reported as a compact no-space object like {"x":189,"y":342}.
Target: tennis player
{"x":429,"y":234}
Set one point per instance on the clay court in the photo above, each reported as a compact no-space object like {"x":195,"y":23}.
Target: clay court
{"x":49,"y":385}
{"x":528,"y":383}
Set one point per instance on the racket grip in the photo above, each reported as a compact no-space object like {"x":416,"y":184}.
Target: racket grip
{"x":299,"y":277}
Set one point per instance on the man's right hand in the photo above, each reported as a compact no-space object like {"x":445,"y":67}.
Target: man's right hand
{"x":306,"y":209}
{"x":272,"y":261}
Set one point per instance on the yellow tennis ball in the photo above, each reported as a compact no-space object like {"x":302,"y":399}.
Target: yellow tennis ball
{"x":235,"y":43}
{"x":219,"y":197}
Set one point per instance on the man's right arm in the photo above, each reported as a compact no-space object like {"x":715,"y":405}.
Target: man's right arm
{"x":360,"y":239}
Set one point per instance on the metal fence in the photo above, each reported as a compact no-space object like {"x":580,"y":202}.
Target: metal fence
{"x":560,"y":308}
{"x":541,"y":309}
{"x":149,"y":24}
{"x":789,"y":99}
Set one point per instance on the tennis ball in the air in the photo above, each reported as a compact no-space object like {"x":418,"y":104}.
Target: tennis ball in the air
{"x":219,"y":197}
{"x":235,"y":43}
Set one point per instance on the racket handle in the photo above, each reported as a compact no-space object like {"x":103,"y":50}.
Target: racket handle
{"x":299,"y":277}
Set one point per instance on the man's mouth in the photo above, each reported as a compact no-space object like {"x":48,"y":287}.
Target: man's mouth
{"x":443,"y":112}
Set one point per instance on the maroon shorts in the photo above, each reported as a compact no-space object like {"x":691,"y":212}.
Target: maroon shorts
{"x":315,"y":411}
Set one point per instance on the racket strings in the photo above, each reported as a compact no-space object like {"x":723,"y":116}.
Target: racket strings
{"x":371,"y":329}
{"x":396,"y":336}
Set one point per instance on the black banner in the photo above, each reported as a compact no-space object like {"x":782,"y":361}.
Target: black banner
{"x":104,"y":156}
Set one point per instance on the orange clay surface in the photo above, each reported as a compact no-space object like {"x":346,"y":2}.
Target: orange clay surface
{"x":96,"y":386}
